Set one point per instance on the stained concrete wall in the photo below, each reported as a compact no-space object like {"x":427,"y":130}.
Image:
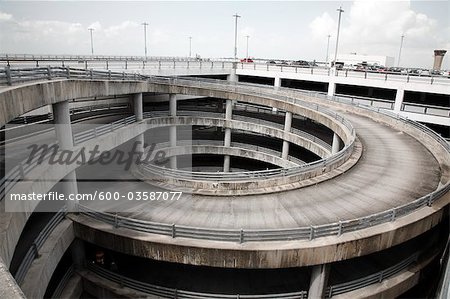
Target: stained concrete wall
{"x":8,"y":286}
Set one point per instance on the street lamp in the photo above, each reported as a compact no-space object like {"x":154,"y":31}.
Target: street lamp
{"x":190,"y":46}
{"x":145,"y":24}
{"x":92,"y":40}
{"x":236,"y":16}
{"x":247,"y":36}
{"x":400,"y":51}
{"x":340,"y":10}
{"x":328,"y":47}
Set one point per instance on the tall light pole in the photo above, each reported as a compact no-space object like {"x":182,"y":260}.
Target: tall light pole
{"x":328,"y":48}
{"x":247,"y":36}
{"x":400,"y":51}
{"x":190,"y":46}
{"x":340,"y":10}
{"x":92,"y":40}
{"x":145,"y":24}
{"x":236,"y":16}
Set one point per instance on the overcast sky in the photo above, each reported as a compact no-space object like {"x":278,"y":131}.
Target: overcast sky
{"x":282,"y":30}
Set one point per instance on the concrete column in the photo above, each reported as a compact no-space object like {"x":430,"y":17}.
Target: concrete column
{"x":173,"y":129}
{"x":227,"y":140}
{"x":277,"y":82}
{"x":287,"y":129}
{"x":232,"y":77}
{"x":63,"y":126}
{"x":139,"y":113}
{"x":138,"y":106}
{"x":318,"y":283}
{"x":399,"y":100}
{"x":331,"y":88}
{"x":63,"y":129}
{"x":78,"y":253}
{"x":336,"y":144}
{"x":370,"y":92}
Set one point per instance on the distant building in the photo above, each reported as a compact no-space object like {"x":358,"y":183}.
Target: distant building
{"x":354,"y":59}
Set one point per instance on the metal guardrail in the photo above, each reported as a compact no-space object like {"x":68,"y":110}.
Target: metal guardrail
{"x":10,"y":76}
{"x":365,"y":74}
{"x":406,"y":106}
{"x":102,"y":130}
{"x":33,"y":251}
{"x":63,"y":282}
{"x":262,"y":149}
{"x":377,"y":277}
{"x":166,"y":292}
{"x":331,"y":290}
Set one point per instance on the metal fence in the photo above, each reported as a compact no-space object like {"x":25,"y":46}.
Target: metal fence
{"x":63,"y":282}
{"x":331,"y":290}
{"x":377,"y":277}
{"x":33,"y":251}
{"x":102,"y":130}
{"x":166,"y":292}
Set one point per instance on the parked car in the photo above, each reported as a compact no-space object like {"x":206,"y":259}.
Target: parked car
{"x":247,"y":60}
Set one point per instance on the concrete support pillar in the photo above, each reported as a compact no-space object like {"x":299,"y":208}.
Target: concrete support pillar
{"x":227,"y":140}
{"x":63,"y":126}
{"x":139,"y":113}
{"x":232,"y":77}
{"x":287,"y":129}
{"x":399,"y":100}
{"x":63,"y":129}
{"x":318,"y":283}
{"x":331,"y":88}
{"x":335,"y":146}
{"x":370,"y":92}
{"x":138,"y":106}
{"x":173,"y":129}
{"x":78,"y":253}
{"x":277,"y":82}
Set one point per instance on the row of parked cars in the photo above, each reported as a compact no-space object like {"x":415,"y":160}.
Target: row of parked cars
{"x":400,"y":70}
{"x":362,"y":67}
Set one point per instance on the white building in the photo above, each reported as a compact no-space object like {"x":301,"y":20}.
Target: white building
{"x":354,"y":59}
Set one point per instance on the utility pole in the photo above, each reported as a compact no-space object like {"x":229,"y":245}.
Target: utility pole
{"x":145,"y":24}
{"x":328,"y":47}
{"x":92,"y":40}
{"x":190,"y":46}
{"x":247,"y":36}
{"x":340,"y":10}
{"x":236,"y":16}
{"x":400,"y":51}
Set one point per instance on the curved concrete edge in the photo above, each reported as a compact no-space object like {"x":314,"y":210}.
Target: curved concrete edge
{"x":238,"y":188}
{"x":393,"y":286}
{"x":279,"y":254}
{"x":301,"y":141}
{"x":8,"y":286}
{"x":41,"y":270}
{"x":224,"y":150}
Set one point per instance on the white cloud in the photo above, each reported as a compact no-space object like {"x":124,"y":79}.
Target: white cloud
{"x":322,"y":26}
{"x":5,"y":17}
{"x":375,"y":27}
